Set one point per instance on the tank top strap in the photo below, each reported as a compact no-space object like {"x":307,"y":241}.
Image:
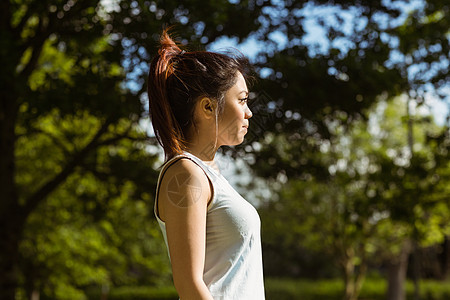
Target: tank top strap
{"x":210,"y":173}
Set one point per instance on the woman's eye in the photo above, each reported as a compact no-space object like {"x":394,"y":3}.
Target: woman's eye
{"x":244,"y":99}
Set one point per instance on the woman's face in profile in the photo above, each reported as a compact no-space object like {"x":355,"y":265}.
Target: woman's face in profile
{"x":233,"y":123}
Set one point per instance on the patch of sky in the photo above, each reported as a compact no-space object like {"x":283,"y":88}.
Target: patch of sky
{"x":250,"y":46}
{"x":405,"y":8}
{"x":318,"y":18}
{"x":199,"y":27}
{"x":439,"y":108}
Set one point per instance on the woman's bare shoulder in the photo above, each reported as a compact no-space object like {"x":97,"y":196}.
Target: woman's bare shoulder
{"x":184,"y":184}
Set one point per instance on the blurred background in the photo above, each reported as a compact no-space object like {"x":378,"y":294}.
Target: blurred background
{"x":346,"y":159}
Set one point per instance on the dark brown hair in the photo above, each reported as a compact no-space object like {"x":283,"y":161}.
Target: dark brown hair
{"x":177,"y":79}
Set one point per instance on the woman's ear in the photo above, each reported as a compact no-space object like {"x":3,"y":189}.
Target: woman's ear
{"x":207,"y":107}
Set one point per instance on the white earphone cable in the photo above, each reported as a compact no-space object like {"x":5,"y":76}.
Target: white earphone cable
{"x":217,"y":132}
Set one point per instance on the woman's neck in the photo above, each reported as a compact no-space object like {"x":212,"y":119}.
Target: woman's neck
{"x":202,"y":141}
{"x":205,"y":152}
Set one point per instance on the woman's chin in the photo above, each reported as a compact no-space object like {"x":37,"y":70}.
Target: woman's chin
{"x":240,"y":141}
{"x":235,"y":142}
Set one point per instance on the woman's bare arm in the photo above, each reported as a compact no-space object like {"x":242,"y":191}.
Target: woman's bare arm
{"x":183,"y":200}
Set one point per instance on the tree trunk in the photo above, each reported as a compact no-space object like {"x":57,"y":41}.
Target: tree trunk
{"x":416,"y":271}
{"x":445,"y":259}
{"x":349,"y":282}
{"x":353,"y":277}
{"x":11,"y":222}
{"x":353,"y":281}
{"x":397,"y":274}
{"x":360,"y":278}
{"x":35,"y":295}
{"x":11,"y":228}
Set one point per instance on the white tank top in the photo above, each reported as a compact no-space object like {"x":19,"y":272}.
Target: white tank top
{"x":233,"y":260}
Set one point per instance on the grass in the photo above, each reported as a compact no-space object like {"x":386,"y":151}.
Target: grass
{"x":292,"y":289}
{"x":333,"y":289}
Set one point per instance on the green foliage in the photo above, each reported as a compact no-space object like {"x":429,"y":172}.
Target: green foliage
{"x":138,"y":293}
{"x":423,"y":39}
{"x":373,"y":289}
{"x":377,"y":195}
{"x":77,"y":174}
{"x":284,"y":288}
{"x":95,"y":228}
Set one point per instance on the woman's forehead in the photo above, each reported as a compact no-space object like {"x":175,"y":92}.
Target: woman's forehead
{"x":240,"y":86}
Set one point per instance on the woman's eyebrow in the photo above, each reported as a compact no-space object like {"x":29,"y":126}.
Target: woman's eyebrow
{"x":246,"y":92}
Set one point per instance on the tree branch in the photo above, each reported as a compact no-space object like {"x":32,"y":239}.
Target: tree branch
{"x":145,"y":139}
{"x":32,"y":131}
{"x":5,"y":16}
{"x":56,"y":141}
{"x":112,"y":140}
{"x":38,"y":42}
{"x":33,"y":201}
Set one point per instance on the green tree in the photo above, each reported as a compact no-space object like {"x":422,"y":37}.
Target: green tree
{"x":375,"y":201}
{"x":83,"y":59}
{"x":306,"y":85}
{"x":97,"y":227}
{"x":409,"y":186}
{"x":80,"y":65}
{"x":385,"y":57}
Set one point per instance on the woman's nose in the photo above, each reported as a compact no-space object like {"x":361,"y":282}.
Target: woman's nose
{"x":248,"y":113}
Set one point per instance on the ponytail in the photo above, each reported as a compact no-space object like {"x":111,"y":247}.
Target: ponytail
{"x":171,"y":138}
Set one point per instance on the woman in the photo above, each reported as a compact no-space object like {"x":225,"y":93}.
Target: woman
{"x":198,"y":102}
